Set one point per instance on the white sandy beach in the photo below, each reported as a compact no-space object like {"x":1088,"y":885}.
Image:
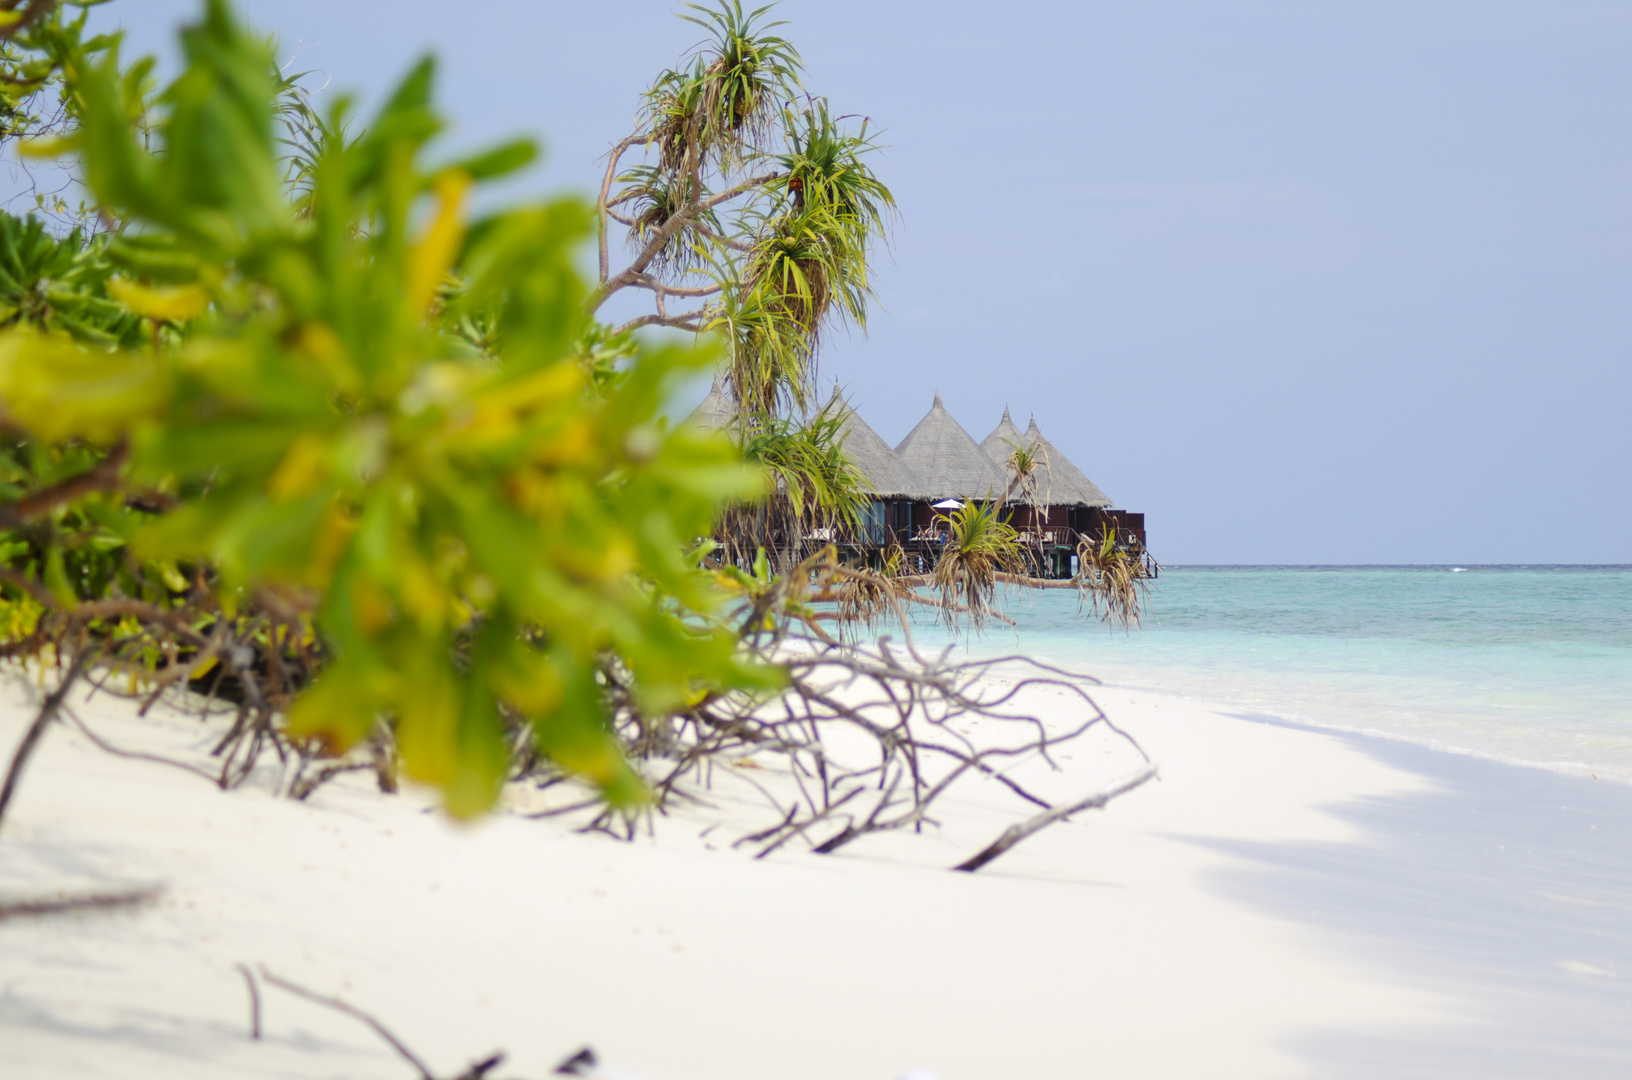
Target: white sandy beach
{"x":1124,"y":942}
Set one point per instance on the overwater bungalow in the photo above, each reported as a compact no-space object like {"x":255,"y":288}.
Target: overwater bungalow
{"x":939,"y":466}
{"x":1061,"y":505}
{"x":896,"y":487}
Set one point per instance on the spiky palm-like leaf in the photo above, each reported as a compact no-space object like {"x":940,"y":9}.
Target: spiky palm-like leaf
{"x":808,"y":263}
{"x":802,"y":271}
{"x":979,"y":547}
{"x":1024,"y":464}
{"x":1110,"y":580}
{"x":809,"y":467}
{"x":867,"y":595}
{"x":812,"y":485}
{"x":770,"y":366}
{"x":307,"y":136}
{"x":723,"y":107}
{"x":748,"y":74}
{"x":783,"y":245}
{"x":826,"y":166}
{"x":672,"y":110}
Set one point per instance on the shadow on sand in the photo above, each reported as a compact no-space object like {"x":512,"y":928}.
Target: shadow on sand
{"x":1506,"y":889}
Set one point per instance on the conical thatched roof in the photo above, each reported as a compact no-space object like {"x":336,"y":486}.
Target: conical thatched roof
{"x":1061,"y":483}
{"x":717,"y":410}
{"x":1002,"y":441}
{"x":887,"y":473}
{"x":947,"y":462}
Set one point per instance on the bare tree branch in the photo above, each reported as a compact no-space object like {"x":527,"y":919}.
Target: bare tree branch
{"x":26,"y":584}
{"x":104,"y":476}
{"x":670,"y":228}
{"x":60,"y":905}
{"x":691,"y":320}
{"x":358,"y":1014}
{"x":646,"y":281}
{"x":134,"y":755}
{"x":601,"y":204}
{"x":478,"y":1071}
{"x":1016,"y":833}
{"x":36,"y":730}
{"x":254,"y":1000}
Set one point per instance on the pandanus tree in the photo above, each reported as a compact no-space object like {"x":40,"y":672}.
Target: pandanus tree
{"x":751,"y":211}
{"x":754,"y":211}
{"x":751,"y":215}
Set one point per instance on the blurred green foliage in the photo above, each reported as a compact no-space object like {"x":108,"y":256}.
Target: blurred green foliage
{"x":59,"y":283}
{"x":358,"y":406}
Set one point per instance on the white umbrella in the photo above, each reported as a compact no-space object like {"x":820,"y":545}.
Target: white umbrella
{"x":950,"y":504}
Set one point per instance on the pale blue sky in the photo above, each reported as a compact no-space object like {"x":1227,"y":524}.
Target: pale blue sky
{"x":1304,"y":281}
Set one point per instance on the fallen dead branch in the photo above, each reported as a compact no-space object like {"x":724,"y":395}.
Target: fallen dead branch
{"x":133,"y":755}
{"x":36,"y":730}
{"x":477,"y":1071}
{"x":60,"y":905}
{"x":861,"y":741}
{"x":254,"y":1000}
{"x":583,"y":1063}
{"x":1016,"y":833}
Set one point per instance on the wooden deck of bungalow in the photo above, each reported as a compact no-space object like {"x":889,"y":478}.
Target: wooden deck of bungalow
{"x":1053,"y":533}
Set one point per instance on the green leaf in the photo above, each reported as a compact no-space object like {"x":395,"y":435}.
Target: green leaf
{"x":499,"y":161}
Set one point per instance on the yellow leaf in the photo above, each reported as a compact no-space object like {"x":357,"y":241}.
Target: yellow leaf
{"x":595,"y":757}
{"x":162,"y":303}
{"x":371,"y":607}
{"x":302,"y":469}
{"x":50,"y":146}
{"x":320,"y":342}
{"x":58,"y":389}
{"x":571,"y":444}
{"x":431,"y":258}
{"x":333,"y":537}
{"x":530,"y":684}
{"x":173,"y":578}
{"x":339,"y":708}
{"x":428,"y":720}
{"x":421,"y":593}
{"x":500,"y":409}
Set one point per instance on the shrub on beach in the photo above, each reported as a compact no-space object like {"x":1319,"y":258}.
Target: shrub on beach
{"x":345,"y":408}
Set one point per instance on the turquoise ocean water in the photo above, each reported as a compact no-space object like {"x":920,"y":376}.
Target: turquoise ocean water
{"x":1528,"y":664}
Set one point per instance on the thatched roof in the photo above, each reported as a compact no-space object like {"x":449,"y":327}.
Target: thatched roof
{"x":1002,"y":441}
{"x":890,"y":477}
{"x":947,"y":462}
{"x":717,"y":410}
{"x":1061,"y":483}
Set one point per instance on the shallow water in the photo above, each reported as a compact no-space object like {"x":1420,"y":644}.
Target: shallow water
{"x":1526,"y":664}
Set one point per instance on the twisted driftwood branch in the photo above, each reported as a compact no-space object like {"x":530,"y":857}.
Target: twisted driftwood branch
{"x":475,"y":1072}
{"x":1016,"y":833}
